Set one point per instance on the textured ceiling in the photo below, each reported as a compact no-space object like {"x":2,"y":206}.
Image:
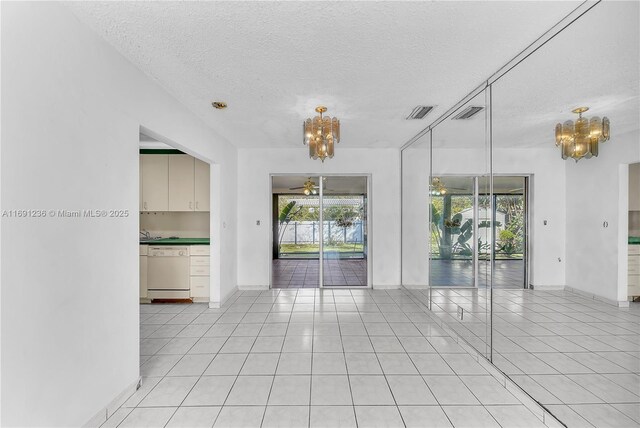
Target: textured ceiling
{"x":370,"y":63}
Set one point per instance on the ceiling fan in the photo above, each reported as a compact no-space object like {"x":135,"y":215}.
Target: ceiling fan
{"x":438,"y":188}
{"x":309,"y":187}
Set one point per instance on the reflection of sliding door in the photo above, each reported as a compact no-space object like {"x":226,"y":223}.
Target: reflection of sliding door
{"x":343,"y":246}
{"x":510,"y":246}
{"x":462,"y":234}
{"x":453,"y":210}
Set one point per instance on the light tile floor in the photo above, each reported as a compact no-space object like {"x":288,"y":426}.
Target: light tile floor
{"x":577,"y":356}
{"x":319,"y":358}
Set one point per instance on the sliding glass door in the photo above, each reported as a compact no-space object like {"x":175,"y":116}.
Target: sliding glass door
{"x":319,"y":231}
{"x":344,"y":219}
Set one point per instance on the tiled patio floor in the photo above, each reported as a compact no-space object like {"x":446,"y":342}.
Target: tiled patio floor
{"x":297,"y":273}
{"x":459,"y":273}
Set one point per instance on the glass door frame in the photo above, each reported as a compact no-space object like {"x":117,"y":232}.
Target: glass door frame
{"x":527,"y":178}
{"x":367,"y":232}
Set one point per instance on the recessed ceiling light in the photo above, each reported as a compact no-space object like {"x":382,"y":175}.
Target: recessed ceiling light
{"x":219,"y":104}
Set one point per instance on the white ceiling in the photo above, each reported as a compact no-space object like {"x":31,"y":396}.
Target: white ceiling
{"x":370,"y":63}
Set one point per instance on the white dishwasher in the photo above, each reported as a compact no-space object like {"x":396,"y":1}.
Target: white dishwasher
{"x":168,"y":272}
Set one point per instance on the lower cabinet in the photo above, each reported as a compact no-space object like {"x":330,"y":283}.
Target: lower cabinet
{"x":198,"y":273}
{"x":199,"y":280}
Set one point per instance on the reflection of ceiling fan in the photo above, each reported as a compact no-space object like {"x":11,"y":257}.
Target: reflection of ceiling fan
{"x":438,"y":188}
{"x":309,"y":187}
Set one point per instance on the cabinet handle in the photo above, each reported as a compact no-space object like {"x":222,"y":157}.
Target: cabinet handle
{"x":197,"y":207}
{"x":190,"y":205}
{"x":145,"y":205}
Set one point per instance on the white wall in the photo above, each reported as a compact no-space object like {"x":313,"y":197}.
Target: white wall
{"x":597,"y":191}
{"x":415,"y":217}
{"x":72,"y":108}
{"x":547,"y":203}
{"x":254,"y":203}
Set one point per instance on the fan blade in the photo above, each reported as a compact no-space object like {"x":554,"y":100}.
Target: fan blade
{"x":296,"y":188}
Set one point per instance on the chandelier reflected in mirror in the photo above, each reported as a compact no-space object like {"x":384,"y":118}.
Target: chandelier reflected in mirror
{"x":321,"y":134}
{"x":580,"y":139}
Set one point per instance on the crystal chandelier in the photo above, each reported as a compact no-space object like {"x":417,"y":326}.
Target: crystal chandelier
{"x":580,"y":140}
{"x":320,"y":134}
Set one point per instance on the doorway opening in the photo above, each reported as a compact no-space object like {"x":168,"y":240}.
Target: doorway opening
{"x":463,"y":237}
{"x":319,"y":231}
{"x":175,"y":224}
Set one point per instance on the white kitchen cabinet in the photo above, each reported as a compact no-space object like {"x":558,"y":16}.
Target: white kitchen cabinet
{"x":200,"y":288}
{"x":199,"y":268}
{"x":181,"y":183}
{"x":143,"y":271}
{"x":154,"y":171}
{"x":201,"y":185}
{"x":173,"y":183}
{"x":634,"y":271}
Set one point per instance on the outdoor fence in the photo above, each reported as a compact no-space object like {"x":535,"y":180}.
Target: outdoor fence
{"x":308,"y":232}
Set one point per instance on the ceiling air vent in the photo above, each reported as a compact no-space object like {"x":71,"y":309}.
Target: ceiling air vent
{"x":419,"y":112}
{"x":468,"y":112}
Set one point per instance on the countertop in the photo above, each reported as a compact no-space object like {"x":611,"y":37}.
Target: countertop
{"x":177,"y":241}
{"x":634,"y":240}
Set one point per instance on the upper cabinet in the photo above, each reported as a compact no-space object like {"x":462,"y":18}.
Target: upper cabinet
{"x":154,"y":176}
{"x":173,"y":183}
{"x":201,"y":188}
{"x":181,"y":179}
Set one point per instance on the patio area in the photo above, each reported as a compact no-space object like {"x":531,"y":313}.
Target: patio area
{"x":290,"y":273}
{"x":459,"y":273}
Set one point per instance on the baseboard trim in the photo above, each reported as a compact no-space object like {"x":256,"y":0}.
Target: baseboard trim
{"x":253,"y":287}
{"x":415,"y":286}
{"x":385,"y":287}
{"x":106,"y":412}
{"x":224,"y":299}
{"x":618,"y":303}
{"x":547,"y":287}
